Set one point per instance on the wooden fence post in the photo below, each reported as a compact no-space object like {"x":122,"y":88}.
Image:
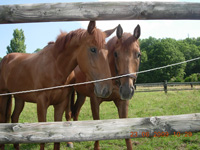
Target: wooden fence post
{"x":165,"y":86}
{"x":191,"y":85}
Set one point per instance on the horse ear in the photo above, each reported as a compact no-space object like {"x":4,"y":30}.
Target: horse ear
{"x":136,"y":33}
{"x":91,"y":27}
{"x":119,"y":31}
{"x":109,"y":32}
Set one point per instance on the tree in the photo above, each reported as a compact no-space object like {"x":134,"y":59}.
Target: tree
{"x":145,"y":44}
{"x":0,"y":59}
{"x":37,"y":50}
{"x":161,"y":52}
{"x":191,"y":49}
{"x":193,"y":78}
{"x":17,"y":44}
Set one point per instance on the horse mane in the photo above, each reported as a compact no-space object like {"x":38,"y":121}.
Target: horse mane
{"x":51,"y":42}
{"x":79,"y":34}
{"x":61,"y":40}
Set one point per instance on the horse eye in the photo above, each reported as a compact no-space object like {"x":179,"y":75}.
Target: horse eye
{"x":115,"y":54}
{"x":93,"y":50}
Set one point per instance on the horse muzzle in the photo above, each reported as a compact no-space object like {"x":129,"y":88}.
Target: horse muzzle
{"x":126,"y":89}
{"x":102,"y":92}
{"x":126,"y":92}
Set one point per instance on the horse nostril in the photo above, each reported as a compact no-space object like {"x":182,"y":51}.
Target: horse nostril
{"x":120,"y":89}
{"x":132,"y":90}
{"x":134,"y":80}
{"x":105,"y":92}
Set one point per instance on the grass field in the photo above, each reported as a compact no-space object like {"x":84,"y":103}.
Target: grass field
{"x":141,"y":105}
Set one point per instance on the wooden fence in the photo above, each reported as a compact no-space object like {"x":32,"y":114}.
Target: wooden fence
{"x":166,"y":86}
{"x":102,"y":129}
{"x":98,"y":11}
{"x":162,"y":126}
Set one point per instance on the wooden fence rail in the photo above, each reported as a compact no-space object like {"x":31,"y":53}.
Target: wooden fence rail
{"x":164,"y":86}
{"x":99,"y":129}
{"x":98,"y":11}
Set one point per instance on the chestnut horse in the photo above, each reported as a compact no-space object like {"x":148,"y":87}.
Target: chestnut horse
{"x":124,"y":58}
{"x":51,"y":67}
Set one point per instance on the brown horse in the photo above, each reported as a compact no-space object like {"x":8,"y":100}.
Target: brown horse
{"x":51,"y":67}
{"x":124,"y":58}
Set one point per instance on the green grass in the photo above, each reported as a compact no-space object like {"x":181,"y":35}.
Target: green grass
{"x":142,"y":105}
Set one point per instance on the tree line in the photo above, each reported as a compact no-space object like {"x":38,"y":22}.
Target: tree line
{"x":155,"y":53}
{"x":162,"y":52}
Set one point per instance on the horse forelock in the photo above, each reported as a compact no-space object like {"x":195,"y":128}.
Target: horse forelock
{"x":127,"y":40}
{"x":99,"y":38}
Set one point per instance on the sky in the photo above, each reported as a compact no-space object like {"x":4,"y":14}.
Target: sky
{"x":39,"y":34}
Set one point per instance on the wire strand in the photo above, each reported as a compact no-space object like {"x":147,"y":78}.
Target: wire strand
{"x":100,"y":80}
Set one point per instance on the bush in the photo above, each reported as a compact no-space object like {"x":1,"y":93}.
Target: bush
{"x":193,"y":78}
{"x":176,"y":79}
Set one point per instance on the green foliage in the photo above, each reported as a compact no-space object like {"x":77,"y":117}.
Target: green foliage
{"x":193,"y":78}
{"x":162,"y":52}
{"x":37,"y":50}
{"x":159,"y":53}
{"x":0,"y":59}
{"x":191,"y":49}
{"x":17,"y":44}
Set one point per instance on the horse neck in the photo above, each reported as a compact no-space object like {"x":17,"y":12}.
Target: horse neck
{"x":66,"y":59}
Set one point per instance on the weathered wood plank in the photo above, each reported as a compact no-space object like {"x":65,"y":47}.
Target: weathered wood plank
{"x":98,"y":11}
{"x":97,"y":130}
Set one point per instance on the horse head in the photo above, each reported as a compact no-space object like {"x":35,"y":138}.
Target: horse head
{"x":93,"y":60}
{"x":126,"y":59}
